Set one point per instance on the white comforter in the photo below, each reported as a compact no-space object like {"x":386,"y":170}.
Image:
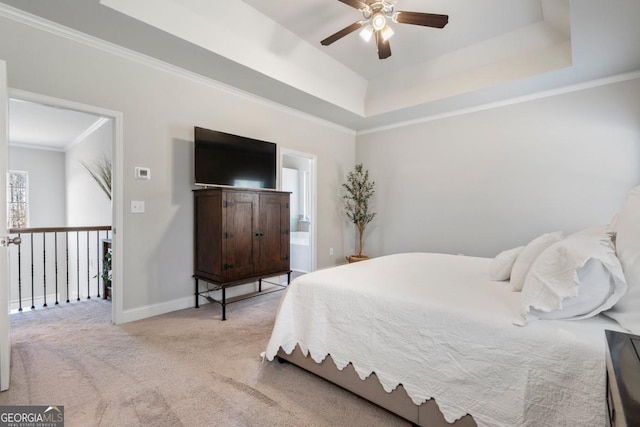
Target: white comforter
{"x":436,"y":324}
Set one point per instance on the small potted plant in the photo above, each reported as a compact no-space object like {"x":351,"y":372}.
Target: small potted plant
{"x":359,"y":191}
{"x":106,"y":274}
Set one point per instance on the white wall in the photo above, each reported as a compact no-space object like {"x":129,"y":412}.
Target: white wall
{"x":160,"y":109}
{"x":87,"y":204}
{"x":491,"y":180}
{"x":46,"y":184}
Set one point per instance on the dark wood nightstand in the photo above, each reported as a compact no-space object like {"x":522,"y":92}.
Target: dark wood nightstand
{"x":623,"y":379}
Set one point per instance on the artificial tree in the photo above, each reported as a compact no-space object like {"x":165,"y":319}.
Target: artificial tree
{"x":359,"y":191}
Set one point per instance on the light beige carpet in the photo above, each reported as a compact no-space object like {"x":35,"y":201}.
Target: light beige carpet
{"x":185,"y":368}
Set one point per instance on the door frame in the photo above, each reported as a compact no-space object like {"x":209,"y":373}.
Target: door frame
{"x":313,"y":160}
{"x":5,"y":323}
{"x":117,"y":203}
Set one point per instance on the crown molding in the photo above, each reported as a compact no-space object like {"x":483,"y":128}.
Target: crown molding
{"x":30,"y":146}
{"x":517,"y":100}
{"x":87,"y":132}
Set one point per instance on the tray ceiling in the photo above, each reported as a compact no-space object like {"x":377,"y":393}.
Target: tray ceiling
{"x":491,"y":50}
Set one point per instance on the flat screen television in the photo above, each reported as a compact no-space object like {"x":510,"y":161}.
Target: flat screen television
{"x":232,"y":160}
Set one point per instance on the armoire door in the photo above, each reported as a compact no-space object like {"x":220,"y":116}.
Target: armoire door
{"x":239,"y":242}
{"x":208,"y":234}
{"x":274,"y":233}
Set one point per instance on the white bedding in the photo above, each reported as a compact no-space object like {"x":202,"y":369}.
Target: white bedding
{"x":436,"y":324}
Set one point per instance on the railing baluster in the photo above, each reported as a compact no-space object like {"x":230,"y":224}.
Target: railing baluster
{"x":88,"y":274}
{"x":55,"y":241}
{"x":98,"y":262}
{"x":78,"y":265}
{"x":44,"y":282}
{"x":66,"y":238}
{"x":44,"y":267}
{"x":32,"y":293}
{"x":19,"y":277}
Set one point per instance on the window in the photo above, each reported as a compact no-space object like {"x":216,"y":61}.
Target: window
{"x":17,"y":199}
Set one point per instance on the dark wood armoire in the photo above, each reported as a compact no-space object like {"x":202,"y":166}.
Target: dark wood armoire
{"x":240,"y":236}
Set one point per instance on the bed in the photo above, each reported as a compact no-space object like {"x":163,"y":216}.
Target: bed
{"x":432,"y":338}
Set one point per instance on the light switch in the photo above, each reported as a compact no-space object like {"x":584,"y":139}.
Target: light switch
{"x":137,"y":206}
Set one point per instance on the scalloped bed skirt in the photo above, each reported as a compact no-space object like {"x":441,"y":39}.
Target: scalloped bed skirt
{"x":426,"y":415}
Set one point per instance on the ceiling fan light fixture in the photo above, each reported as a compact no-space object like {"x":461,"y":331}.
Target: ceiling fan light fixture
{"x":378,"y":21}
{"x":377,"y":13}
{"x":366,"y":33}
{"x":386,"y":33}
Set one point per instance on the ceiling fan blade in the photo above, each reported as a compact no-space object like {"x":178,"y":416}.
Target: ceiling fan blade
{"x":424,"y":19}
{"x":357,"y":4}
{"x":340,"y":34}
{"x":384,"y":50}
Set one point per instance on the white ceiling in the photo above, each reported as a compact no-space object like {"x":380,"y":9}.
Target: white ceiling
{"x":469,"y":23}
{"x":41,"y":126}
{"x":491,"y":50}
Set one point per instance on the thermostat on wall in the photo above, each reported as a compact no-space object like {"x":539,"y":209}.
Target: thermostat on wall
{"x":143,"y":173}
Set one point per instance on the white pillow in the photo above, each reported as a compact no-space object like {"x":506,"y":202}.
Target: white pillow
{"x":595,"y":287}
{"x":528,"y":255}
{"x":627,"y":311}
{"x":502,"y":264}
{"x":575,"y":278}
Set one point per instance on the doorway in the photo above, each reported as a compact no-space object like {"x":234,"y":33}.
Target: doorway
{"x":88,"y":139}
{"x":298,"y":177}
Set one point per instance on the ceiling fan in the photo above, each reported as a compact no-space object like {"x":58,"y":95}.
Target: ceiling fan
{"x":376,"y":13}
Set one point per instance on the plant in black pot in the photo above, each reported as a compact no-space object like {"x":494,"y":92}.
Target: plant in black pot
{"x":359,"y":191}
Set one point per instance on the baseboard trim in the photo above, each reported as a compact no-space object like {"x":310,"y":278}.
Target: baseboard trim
{"x":157,"y":309}
{"x":182,"y":303}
